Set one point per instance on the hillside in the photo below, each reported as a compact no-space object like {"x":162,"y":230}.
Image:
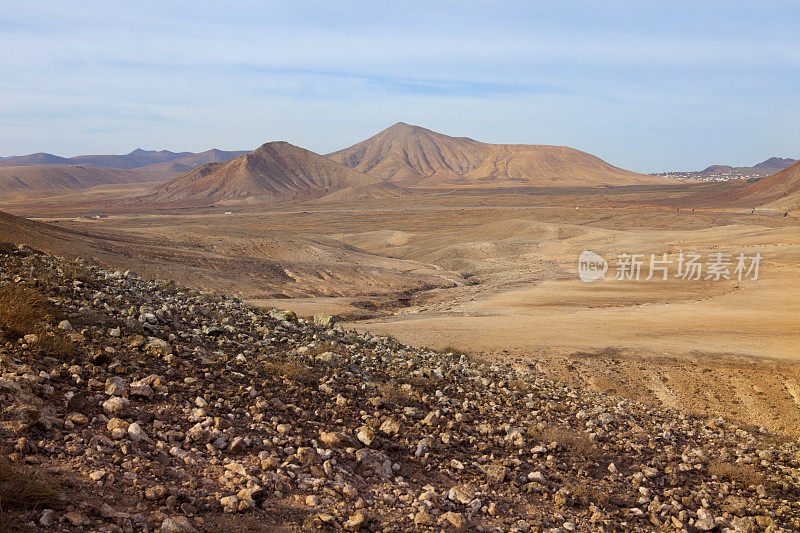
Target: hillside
{"x":267,"y":267}
{"x":274,"y":171}
{"x":416,"y":157}
{"x":728,"y":172}
{"x":780,"y":191}
{"x":189,"y":162}
{"x":40,"y":158}
{"x":157,"y":407}
{"x":775,"y":164}
{"x":59,"y":178}
{"x":135,"y":159}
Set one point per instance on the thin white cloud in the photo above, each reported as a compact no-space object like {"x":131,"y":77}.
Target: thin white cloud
{"x":636,"y":82}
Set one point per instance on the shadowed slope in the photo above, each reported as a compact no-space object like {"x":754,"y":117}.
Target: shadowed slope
{"x":780,"y":191}
{"x":189,"y":162}
{"x":56,"y":178}
{"x":135,"y":159}
{"x":40,"y":158}
{"x":414,"y":156}
{"x":275,"y":171}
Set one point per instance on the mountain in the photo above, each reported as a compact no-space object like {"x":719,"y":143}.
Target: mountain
{"x":775,"y":164}
{"x":780,"y":191}
{"x":135,"y":159}
{"x":187,"y":163}
{"x":40,"y":158}
{"x":728,"y":172}
{"x":275,"y":171}
{"x":53,"y":178}
{"x":717,"y":168}
{"x":765,"y":168}
{"x":183,"y":161}
{"x":414,"y":156}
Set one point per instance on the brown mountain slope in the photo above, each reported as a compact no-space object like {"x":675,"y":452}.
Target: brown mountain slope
{"x":56,"y":178}
{"x":264,"y":265}
{"x":274,"y":171}
{"x":192,"y":161}
{"x":40,"y":158}
{"x":780,"y":191}
{"x":135,"y":159}
{"x":414,"y":156}
{"x":162,"y":161}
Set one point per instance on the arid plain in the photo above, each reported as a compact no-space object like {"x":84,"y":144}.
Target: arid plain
{"x":494,"y":273}
{"x":462,"y":245}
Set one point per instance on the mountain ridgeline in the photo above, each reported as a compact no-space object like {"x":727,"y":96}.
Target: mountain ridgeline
{"x":413,"y":156}
{"x":136,"y":159}
{"x":402,"y":156}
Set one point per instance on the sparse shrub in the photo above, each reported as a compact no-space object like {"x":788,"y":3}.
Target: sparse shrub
{"x":56,"y":344}
{"x":453,"y":350}
{"x":574,"y":442}
{"x":422,"y":383}
{"x":521,"y":386}
{"x":396,"y":394}
{"x":743,"y":474}
{"x":589,"y":493}
{"x":23,"y":310}
{"x":77,"y":272}
{"x":293,"y":371}
{"x":22,"y":487}
{"x":479,"y":361}
{"x":7,"y":248}
{"x":320,"y":348}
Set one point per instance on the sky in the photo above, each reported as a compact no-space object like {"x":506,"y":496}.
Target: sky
{"x":648,"y":86}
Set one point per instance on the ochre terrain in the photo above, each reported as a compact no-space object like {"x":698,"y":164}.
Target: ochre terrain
{"x":494,"y":273}
{"x":276,"y":171}
{"x":417,"y":157}
{"x":781,"y":191}
{"x":48,"y":180}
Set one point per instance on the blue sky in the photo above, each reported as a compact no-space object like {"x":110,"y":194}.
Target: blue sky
{"x":647,"y":86}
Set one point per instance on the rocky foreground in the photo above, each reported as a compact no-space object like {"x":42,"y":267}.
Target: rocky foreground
{"x":144,"y":406}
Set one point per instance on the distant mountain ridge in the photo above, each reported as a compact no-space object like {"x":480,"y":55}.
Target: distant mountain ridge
{"x":726,"y":172}
{"x":779,"y":191}
{"x":138,"y":158}
{"x":191,"y":161}
{"x":770,"y":166}
{"x":414,"y":156}
{"x":401,"y":156}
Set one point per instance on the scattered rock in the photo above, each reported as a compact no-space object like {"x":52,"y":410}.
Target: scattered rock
{"x":199,"y":405}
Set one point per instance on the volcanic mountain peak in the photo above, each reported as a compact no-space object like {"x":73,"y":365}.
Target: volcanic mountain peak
{"x":778,"y":163}
{"x":415,"y":156}
{"x":275,"y":170}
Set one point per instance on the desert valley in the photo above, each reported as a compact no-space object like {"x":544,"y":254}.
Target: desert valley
{"x":459,"y":247}
{"x":492,"y":267}
{"x":446,"y":241}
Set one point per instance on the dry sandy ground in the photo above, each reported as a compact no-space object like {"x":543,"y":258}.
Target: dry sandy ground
{"x":495,"y":277}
